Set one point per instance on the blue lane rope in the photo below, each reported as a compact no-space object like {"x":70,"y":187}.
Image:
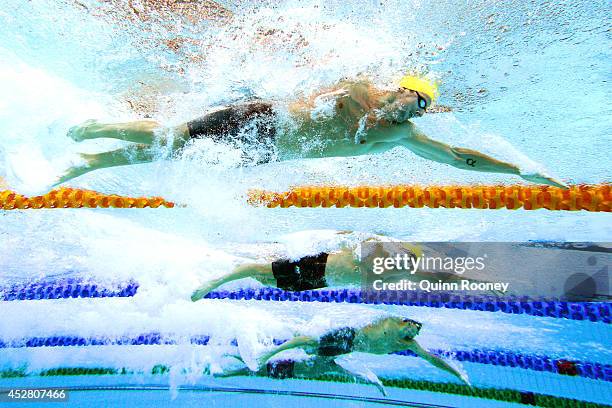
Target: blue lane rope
{"x":593,"y":311}
{"x":65,"y":289}
{"x":502,"y":358}
{"x":75,"y":288}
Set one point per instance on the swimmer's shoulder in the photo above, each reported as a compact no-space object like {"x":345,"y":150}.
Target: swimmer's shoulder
{"x":344,"y":92}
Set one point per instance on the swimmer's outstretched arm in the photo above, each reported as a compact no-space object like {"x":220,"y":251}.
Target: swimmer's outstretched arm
{"x":466,"y":159}
{"x":261,"y":272}
{"x":434,"y":360}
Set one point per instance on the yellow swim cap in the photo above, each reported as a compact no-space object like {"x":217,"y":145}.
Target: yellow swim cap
{"x":430,"y":88}
{"x":414,"y":249}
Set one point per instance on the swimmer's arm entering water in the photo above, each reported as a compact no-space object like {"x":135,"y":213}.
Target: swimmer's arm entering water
{"x":261,"y":272}
{"x":463,"y":158}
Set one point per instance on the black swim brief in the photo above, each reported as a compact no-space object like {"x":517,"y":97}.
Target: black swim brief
{"x":305,"y":274}
{"x":231,"y":120}
{"x":281,"y":369}
{"x":248,"y":123}
{"x":336,"y":342}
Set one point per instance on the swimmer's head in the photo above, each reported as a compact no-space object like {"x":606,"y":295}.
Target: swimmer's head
{"x":402,"y":328}
{"x":425,"y":88}
{"x":412,"y":99}
{"x":409,"y":328}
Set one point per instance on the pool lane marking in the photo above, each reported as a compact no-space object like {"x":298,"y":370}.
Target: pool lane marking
{"x":483,"y":356}
{"x":76,"y":288}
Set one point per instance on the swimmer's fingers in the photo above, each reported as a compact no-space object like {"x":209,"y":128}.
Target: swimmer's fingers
{"x":380,"y":388}
{"x":364,"y":374}
{"x":378,"y":384}
{"x":542,"y":179}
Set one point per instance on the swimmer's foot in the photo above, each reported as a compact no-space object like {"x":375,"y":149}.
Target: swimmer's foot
{"x":75,"y":171}
{"x":72,"y":172}
{"x":81,"y":132}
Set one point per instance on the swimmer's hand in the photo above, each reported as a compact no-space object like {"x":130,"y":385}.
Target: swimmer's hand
{"x":435,"y":360}
{"x":542,"y":179}
{"x":365,"y":374}
{"x":463,"y":158}
{"x":84,"y":164}
{"x":375,"y":381}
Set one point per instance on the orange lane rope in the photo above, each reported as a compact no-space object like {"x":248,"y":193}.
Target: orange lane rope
{"x":597,"y":198}
{"x":579,"y":197}
{"x":77,"y":198}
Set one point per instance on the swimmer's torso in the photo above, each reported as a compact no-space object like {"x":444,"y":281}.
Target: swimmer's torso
{"x":341,"y":122}
{"x":337,"y":123}
{"x":378,"y":338}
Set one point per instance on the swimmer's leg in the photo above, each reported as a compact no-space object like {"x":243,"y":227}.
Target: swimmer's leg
{"x":434,"y":360}
{"x":261,"y":272}
{"x":238,"y":372}
{"x":305,"y":342}
{"x":120,"y":157}
{"x":143,"y":131}
{"x":342,"y":268}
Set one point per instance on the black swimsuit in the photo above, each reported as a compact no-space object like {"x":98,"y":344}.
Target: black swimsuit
{"x":331,"y":344}
{"x":337,"y":342}
{"x":232,"y":122}
{"x":305,"y":274}
{"x":281,"y":369}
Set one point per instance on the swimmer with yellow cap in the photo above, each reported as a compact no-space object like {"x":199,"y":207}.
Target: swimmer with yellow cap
{"x":350,"y":119}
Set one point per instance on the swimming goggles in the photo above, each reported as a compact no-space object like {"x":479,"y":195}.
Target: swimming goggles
{"x":422,"y":102}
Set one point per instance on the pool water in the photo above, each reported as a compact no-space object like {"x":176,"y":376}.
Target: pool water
{"x":528,"y":82}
